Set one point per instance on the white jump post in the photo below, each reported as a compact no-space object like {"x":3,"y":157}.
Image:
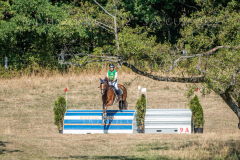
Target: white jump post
{"x":66,"y":98}
{"x":139,"y":87}
{"x":142,"y":90}
{"x":145,"y":90}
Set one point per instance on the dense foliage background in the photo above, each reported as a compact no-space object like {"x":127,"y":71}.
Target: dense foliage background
{"x":35,"y":32}
{"x":42,"y":28}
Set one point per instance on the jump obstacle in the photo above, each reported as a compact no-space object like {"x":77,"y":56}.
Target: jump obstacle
{"x":89,"y":122}
{"x":168,"y":121}
{"x":124,"y":121}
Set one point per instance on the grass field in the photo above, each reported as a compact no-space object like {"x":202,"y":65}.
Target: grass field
{"x":27,"y":129}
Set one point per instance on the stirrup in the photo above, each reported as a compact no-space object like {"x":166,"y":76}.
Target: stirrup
{"x":118,"y":92}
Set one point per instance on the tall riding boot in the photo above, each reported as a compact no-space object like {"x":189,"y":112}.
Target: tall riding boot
{"x":118,"y":92}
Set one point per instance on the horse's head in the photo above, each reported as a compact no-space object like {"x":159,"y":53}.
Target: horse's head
{"x":103,"y":85}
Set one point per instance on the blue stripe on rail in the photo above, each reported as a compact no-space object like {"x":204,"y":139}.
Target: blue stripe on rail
{"x":92,"y":121}
{"x":98,"y":114}
{"x":118,"y":111}
{"x":97,"y":127}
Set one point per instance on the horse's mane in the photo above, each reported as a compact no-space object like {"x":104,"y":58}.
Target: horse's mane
{"x":106,"y":79}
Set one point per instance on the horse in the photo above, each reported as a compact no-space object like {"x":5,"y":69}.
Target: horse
{"x":109,"y":97}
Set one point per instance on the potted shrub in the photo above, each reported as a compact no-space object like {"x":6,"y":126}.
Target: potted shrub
{"x":141,"y":110}
{"x":59,"y":109}
{"x":197,"y":115}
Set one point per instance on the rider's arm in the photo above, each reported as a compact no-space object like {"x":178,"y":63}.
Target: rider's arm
{"x":107,"y":75}
{"x":115,"y":77}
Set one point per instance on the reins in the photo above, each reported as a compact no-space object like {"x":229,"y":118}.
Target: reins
{"x":109,"y":87}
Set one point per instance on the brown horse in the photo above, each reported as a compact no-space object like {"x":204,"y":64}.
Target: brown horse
{"x":109,"y":97}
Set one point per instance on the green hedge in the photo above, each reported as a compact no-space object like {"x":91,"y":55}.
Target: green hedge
{"x":59,"y":109}
{"x":141,"y":110}
{"x":197,"y":111}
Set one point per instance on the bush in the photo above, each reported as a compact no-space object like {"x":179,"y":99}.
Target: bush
{"x":141,"y":109}
{"x":59,"y":109}
{"x":197,"y":112}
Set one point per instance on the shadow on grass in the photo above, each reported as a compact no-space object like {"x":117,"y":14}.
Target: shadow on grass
{"x":3,"y":144}
{"x":153,"y":146}
{"x":3,"y":150}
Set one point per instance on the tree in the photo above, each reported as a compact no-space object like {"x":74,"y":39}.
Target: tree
{"x":30,"y":28}
{"x":204,"y":49}
{"x":210,"y":37}
{"x":114,"y":21}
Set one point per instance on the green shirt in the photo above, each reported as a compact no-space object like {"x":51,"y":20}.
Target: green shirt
{"x":111,"y":75}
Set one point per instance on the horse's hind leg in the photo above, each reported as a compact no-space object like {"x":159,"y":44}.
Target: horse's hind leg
{"x":120,"y":105}
{"x":124,"y":99}
{"x":125,"y":105}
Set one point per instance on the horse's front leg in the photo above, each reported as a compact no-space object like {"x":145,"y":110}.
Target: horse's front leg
{"x":104,"y":115}
{"x":105,"y":112}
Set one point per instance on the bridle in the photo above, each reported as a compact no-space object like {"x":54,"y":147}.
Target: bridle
{"x":103,"y":90}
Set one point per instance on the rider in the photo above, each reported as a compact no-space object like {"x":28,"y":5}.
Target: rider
{"x":112,"y":75}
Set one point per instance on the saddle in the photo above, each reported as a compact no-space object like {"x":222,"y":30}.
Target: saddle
{"x":117,"y":96}
{"x":114,"y":89}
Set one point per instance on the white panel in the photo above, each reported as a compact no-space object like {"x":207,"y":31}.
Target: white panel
{"x":83,"y":117}
{"x":99,"y":131}
{"x":175,"y":126}
{"x":168,"y":119}
{"x":95,"y":131}
{"x":169,"y":112}
{"x":98,"y":117}
{"x":82,"y":131}
{"x":118,"y":131}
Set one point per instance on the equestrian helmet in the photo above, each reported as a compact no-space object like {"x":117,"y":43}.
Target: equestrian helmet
{"x":111,"y":66}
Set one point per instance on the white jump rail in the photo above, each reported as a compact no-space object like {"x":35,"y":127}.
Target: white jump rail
{"x":168,"y":121}
{"x":89,"y":122}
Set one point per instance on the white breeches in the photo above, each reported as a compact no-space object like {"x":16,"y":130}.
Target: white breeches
{"x":115,"y":84}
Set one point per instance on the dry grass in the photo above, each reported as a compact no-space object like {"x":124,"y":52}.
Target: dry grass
{"x":27,"y":130}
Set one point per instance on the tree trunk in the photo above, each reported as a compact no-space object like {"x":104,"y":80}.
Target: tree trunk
{"x":115,"y":30}
{"x":230,"y":102}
